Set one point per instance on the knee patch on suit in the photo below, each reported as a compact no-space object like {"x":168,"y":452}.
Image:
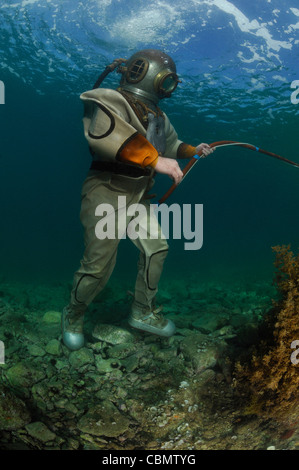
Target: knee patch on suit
{"x":154,"y":268}
{"x":87,"y":285}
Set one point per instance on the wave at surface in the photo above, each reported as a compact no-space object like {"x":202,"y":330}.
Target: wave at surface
{"x":236,"y":51}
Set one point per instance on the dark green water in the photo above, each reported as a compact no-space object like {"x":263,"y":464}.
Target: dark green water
{"x":237,"y":61}
{"x":250,"y":201}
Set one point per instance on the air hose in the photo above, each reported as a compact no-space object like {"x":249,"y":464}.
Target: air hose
{"x":223,"y":143}
{"x":109,"y":68}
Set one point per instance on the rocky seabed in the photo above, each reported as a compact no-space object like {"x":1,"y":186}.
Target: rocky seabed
{"x":125,"y":389}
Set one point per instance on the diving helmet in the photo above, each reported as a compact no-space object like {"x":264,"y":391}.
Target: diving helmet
{"x":150,"y":74}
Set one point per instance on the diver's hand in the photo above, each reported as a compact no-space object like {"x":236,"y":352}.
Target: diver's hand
{"x":169,"y":167}
{"x":206,"y":150}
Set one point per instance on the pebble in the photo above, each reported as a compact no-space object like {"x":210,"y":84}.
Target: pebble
{"x":35,"y":350}
{"x":40,"y":432}
{"x":54,"y":347}
{"x":112,"y":334}
{"x":105,"y":366}
{"x":52,"y":317}
{"x":104,"y":420}
{"x":80,"y":358}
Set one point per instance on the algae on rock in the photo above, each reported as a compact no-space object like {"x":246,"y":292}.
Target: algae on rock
{"x":13,"y":411}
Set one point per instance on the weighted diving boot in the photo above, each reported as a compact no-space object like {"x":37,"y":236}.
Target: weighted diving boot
{"x":151,"y":321}
{"x":72,"y":329}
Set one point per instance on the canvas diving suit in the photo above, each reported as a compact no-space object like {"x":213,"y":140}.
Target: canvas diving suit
{"x":129,"y":138}
{"x":117,"y":135}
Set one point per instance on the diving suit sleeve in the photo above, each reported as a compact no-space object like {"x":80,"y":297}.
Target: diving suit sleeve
{"x":139,"y":151}
{"x":186,"y":151}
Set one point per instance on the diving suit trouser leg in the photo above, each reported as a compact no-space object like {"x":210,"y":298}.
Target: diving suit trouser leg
{"x":85,"y":288}
{"x":100,"y":254}
{"x":153,"y":249}
{"x":150,"y":266}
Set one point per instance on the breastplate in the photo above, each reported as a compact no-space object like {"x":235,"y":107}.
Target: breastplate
{"x":156,"y":132}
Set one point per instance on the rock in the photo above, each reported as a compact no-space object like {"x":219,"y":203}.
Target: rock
{"x":81,"y":357}
{"x":65,"y":404}
{"x":131,"y":363}
{"x":61,"y":364}
{"x":105,"y":366}
{"x":201,"y":351}
{"x":40,"y":394}
{"x":181,"y":322}
{"x":23,"y":376}
{"x":54,"y":347}
{"x":208,"y":323}
{"x":35,"y":350}
{"x":166,"y":355}
{"x":104,"y":420}
{"x":96,"y":347}
{"x":112,"y":334}
{"x":184,"y":331}
{"x":121,"y":351}
{"x":136,"y":409}
{"x":13,"y":411}
{"x":40,"y":432}
{"x":206,"y":377}
{"x":226,"y":331}
{"x":52,"y":317}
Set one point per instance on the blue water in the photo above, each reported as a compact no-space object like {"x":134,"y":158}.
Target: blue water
{"x":237,"y":61}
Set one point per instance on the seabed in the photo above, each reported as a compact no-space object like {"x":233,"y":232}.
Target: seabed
{"x":126,"y":390}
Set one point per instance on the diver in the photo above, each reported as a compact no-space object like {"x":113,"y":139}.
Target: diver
{"x":130,"y":139}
